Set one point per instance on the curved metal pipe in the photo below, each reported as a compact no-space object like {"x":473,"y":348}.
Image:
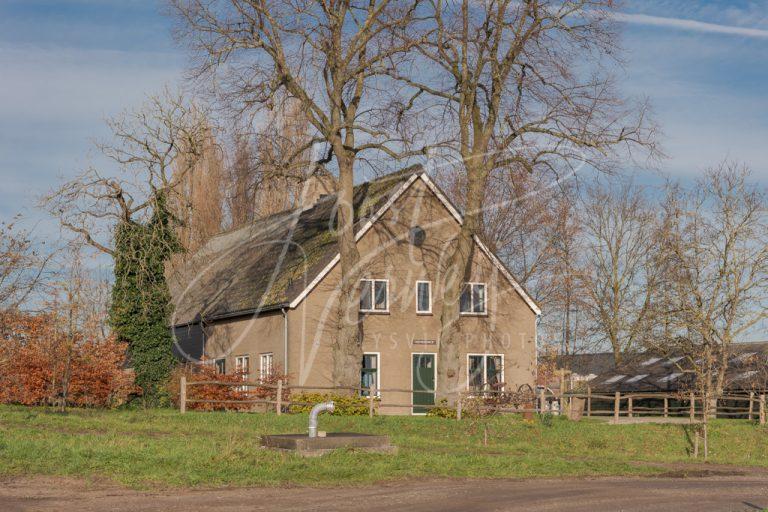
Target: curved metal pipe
{"x":317,"y":409}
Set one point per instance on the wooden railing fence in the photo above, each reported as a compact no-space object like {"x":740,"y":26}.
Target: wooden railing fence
{"x":629,"y":405}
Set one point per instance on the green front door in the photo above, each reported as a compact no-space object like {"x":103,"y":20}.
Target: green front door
{"x":423,"y":380}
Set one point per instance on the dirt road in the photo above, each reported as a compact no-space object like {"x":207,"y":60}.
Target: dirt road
{"x":747,"y":492}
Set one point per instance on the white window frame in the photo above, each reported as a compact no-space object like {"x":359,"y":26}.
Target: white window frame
{"x":471,"y":298}
{"x":429,"y":287}
{"x":485,"y":355}
{"x":239,"y":367}
{"x":216,"y":364}
{"x":372,"y":282}
{"x":262,"y":358}
{"x":378,"y":371}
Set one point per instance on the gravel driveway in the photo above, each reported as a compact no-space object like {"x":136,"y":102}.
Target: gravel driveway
{"x":747,"y":492}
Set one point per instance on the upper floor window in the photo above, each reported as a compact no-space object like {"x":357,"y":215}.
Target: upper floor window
{"x":374,"y":295}
{"x":423,"y":297}
{"x":472,"y":299}
{"x":220,"y":365}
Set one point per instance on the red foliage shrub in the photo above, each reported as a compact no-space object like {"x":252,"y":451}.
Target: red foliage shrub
{"x":41,"y":365}
{"x":232,"y":394}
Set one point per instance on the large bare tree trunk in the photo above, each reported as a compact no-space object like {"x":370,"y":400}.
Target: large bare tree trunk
{"x":347,"y":348}
{"x":456,"y":273}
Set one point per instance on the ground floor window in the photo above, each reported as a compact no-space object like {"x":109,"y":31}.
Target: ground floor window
{"x":265,"y":365}
{"x":220,"y":365}
{"x":243,"y":367}
{"x":485,"y":372}
{"x":369,"y":374}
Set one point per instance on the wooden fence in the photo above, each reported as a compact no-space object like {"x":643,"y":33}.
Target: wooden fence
{"x":749,"y":405}
{"x":617,"y":405}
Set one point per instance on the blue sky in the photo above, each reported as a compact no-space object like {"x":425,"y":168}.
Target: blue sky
{"x":66,"y":65}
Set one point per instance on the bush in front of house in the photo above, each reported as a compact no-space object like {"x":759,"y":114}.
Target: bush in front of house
{"x":223,"y":397}
{"x":345,"y":405}
{"x":442,"y":410}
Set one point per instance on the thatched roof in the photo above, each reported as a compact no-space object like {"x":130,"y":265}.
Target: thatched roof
{"x":267,"y":264}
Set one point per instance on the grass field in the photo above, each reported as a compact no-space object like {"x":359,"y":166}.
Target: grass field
{"x":163,"y":448}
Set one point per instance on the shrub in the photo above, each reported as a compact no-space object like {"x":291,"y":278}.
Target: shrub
{"x":345,"y":405}
{"x":232,"y":394}
{"x":442,"y":410}
{"x":41,"y":365}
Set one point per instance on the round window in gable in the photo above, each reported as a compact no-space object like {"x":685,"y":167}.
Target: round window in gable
{"x":417,"y":236}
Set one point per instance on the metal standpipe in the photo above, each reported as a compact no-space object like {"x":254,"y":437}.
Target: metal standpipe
{"x":316,"y":410}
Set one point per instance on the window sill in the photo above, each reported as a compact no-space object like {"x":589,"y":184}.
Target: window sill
{"x":424,"y":313}
{"x":474,"y":314}
{"x":374,"y":312}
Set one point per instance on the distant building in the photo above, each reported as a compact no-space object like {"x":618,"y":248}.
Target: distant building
{"x":648,"y":372}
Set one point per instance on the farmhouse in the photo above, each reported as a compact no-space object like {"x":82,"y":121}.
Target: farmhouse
{"x":264,"y":298}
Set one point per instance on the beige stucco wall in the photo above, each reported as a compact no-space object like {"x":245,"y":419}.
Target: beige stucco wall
{"x":251,"y":336}
{"x":509,"y":327}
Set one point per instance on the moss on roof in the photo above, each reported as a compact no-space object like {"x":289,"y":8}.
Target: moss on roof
{"x":269,"y":262}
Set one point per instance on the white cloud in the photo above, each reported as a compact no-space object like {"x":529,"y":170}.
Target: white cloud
{"x":692,"y":25}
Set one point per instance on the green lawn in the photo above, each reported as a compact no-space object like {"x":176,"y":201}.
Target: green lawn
{"x":163,"y":448}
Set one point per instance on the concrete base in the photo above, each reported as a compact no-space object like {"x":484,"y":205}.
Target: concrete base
{"x":311,"y":447}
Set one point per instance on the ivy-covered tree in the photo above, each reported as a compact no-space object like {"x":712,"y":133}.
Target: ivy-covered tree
{"x":141,"y":302}
{"x":125,"y":212}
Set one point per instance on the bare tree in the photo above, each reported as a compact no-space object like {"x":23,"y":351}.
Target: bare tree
{"x":522,"y":87}
{"x":22,"y":265}
{"x":79,"y":300}
{"x":147,"y":147}
{"x":529,"y":222}
{"x":266,"y":173}
{"x":198,"y":199}
{"x":242,"y":182}
{"x":621,"y":273}
{"x":715,"y":246}
{"x":331,"y":57}
{"x":565,"y":299}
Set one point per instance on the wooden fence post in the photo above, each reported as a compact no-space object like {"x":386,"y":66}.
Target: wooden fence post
{"x":616,"y":406}
{"x":542,"y":401}
{"x":589,"y":401}
{"x":183,"y":394}
{"x":562,"y":392}
{"x":458,"y":408}
{"x":751,"y":405}
{"x":279,"y":398}
{"x":762,"y":409}
{"x":666,"y":407}
{"x":371,"y":397}
{"x":692,"y":408}
{"x":629,"y":407}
